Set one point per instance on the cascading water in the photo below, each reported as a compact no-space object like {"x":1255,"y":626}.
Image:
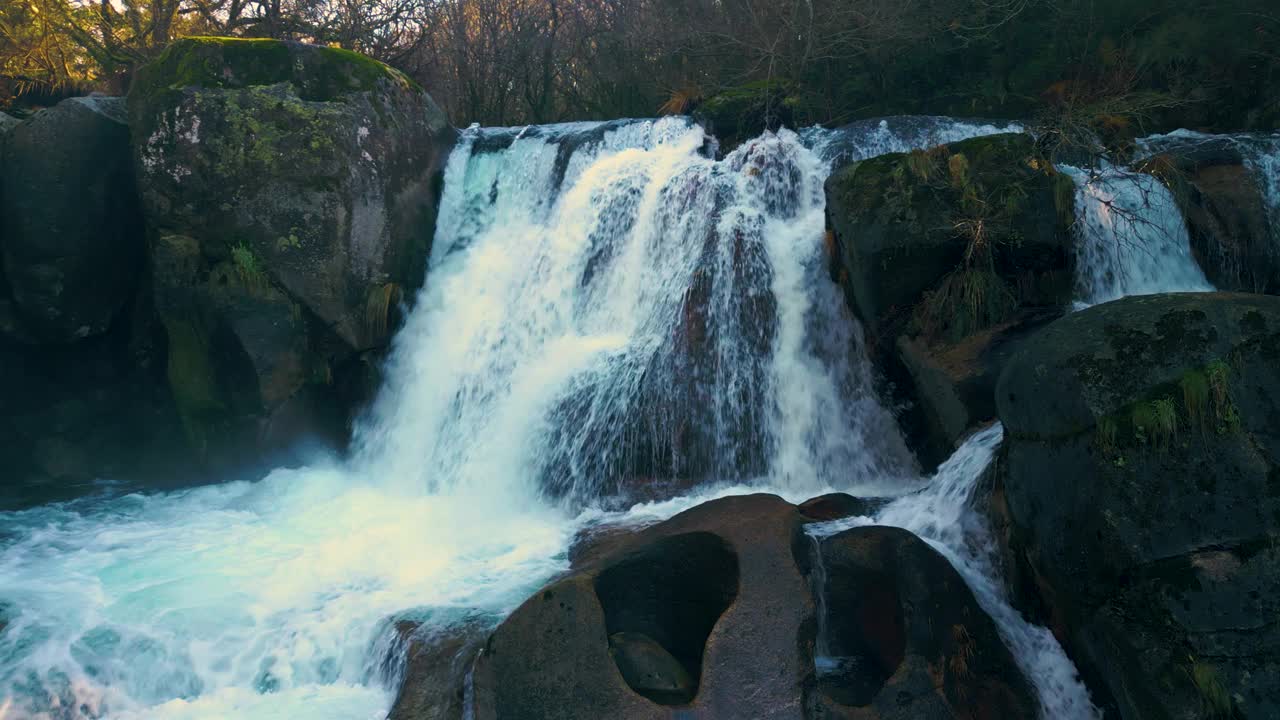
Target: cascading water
{"x":607,"y":307}
{"x":1130,"y":238}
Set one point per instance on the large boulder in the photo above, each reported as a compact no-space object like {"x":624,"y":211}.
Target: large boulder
{"x":712,"y":614}
{"x":290,"y":194}
{"x":70,"y":229}
{"x":906,"y":638}
{"x":1141,"y":480}
{"x":720,"y":588}
{"x":1232,"y":231}
{"x":950,"y":257}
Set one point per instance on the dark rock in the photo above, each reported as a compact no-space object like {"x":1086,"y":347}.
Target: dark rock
{"x":72,"y":235}
{"x":895,"y":223}
{"x":290,"y":195}
{"x":1142,"y":488}
{"x":436,"y":661}
{"x":838,"y":505}
{"x":711,"y":615}
{"x":906,"y":637}
{"x":947,"y":257}
{"x":738,"y":114}
{"x":650,"y":669}
{"x":953,"y":383}
{"x":718,"y":587}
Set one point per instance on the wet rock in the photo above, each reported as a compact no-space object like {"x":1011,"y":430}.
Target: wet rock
{"x":436,"y":661}
{"x":290,"y":195}
{"x":946,"y":256}
{"x":650,"y":669}
{"x":719,"y":588}
{"x":1140,"y":480}
{"x":837,"y":506}
{"x":906,"y":637}
{"x":70,"y":229}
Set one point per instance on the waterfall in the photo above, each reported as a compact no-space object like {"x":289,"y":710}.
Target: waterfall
{"x":634,"y":311}
{"x":609,"y":311}
{"x":1130,"y":238}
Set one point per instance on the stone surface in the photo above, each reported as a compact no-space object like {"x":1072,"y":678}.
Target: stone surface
{"x":718,"y":587}
{"x":910,"y":639}
{"x":70,"y":230}
{"x":1141,"y":486}
{"x":290,"y":194}
{"x":838,"y":505}
{"x":1227,"y":218}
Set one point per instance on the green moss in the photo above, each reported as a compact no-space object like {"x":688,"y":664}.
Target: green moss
{"x":965,"y":302}
{"x":1215,"y":702}
{"x":191,"y":378}
{"x":248,"y":270}
{"x":1195,"y":395}
{"x":320,"y":73}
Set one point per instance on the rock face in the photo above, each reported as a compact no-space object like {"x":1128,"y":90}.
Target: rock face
{"x":1227,"y":218}
{"x":711,"y":614}
{"x":1141,"y":479}
{"x":906,"y":637}
{"x":81,"y":366}
{"x":950,"y":257}
{"x":289,"y":192}
{"x":71,"y":231}
{"x":718,"y":588}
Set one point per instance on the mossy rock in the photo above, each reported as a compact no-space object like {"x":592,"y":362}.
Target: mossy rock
{"x":302,"y":182}
{"x":738,"y":114}
{"x":1141,"y":473}
{"x":898,"y":221}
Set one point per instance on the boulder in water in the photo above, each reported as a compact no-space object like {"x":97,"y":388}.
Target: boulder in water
{"x":718,"y":589}
{"x":290,"y":194}
{"x":70,"y":229}
{"x":838,"y":505}
{"x":907,"y":639}
{"x":1141,"y":480}
{"x":436,"y":662}
{"x":949,"y":256}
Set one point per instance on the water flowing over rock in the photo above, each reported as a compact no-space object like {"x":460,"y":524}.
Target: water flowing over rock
{"x":617,"y":327}
{"x":71,"y":235}
{"x":290,"y":195}
{"x":1140,"y":477}
{"x":637,"y":312}
{"x":1228,"y":187}
{"x":1132,"y":239}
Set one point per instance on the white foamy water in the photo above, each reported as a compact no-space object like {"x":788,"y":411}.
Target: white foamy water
{"x":607,"y":306}
{"x":902,"y":133}
{"x":1130,"y":238}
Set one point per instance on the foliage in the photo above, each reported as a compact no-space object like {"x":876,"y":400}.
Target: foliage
{"x":248,"y":271}
{"x":1215,"y":702}
{"x":1081,"y":69}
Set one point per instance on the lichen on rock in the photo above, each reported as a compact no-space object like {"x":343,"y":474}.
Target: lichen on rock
{"x":312,"y":172}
